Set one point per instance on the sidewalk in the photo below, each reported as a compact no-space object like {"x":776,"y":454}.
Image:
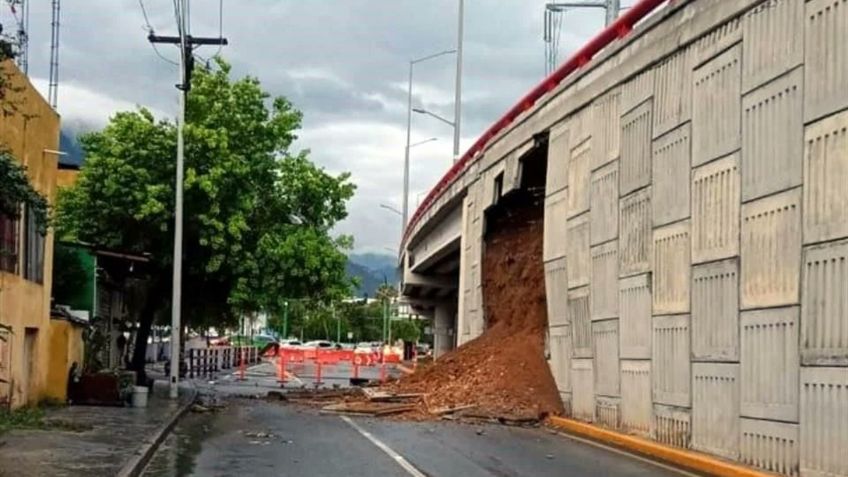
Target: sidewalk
{"x":113,"y":437}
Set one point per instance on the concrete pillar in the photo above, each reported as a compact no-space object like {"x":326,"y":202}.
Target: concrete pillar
{"x":444,"y":328}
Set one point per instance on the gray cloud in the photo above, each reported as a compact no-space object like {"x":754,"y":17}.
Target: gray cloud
{"x":342,"y":62}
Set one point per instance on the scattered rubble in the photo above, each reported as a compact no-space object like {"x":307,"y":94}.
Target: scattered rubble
{"x":502,"y":376}
{"x":503,"y":373}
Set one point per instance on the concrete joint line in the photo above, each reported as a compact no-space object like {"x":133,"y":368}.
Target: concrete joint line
{"x":401,"y":461}
{"x":136,"y":464}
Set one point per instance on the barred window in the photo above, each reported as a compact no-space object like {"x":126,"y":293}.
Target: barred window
{"x":8,"y":243}
{"x":34,"y":250}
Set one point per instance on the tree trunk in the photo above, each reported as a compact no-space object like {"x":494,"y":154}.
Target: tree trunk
{"x":146,"y":318}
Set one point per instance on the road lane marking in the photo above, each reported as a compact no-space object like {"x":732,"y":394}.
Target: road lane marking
{"x":628,"y":454}
{"x":409,"y":468}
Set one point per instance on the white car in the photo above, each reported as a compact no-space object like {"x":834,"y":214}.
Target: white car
{"x":368,"y":347}
{"x":291,"y":344}
{"x":323,"y":344}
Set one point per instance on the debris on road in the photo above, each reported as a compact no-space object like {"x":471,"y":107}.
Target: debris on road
{"x":378,"y":395}
{"x":502,"y":376}
{"x":451,"y":409}
{"x":368,"y":408}
{"x":197,"y":408}
{"x":503,"y":372}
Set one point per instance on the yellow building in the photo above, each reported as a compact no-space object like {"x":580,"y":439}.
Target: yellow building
{"x":67,"y":175}
{"x":29,"y":131}
{"x":66,"y":348}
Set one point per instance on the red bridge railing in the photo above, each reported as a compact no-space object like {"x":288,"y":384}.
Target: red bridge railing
{"x":616,"y":30}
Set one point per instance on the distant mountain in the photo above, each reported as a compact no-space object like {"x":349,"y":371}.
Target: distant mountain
{"x":68,"y":143}
{"x":372,"y":270}
{"x":374,"y":261}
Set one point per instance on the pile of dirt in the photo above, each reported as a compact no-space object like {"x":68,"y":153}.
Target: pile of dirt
{"x":502,"y":373}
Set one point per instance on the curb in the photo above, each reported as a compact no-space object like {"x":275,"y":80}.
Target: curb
{"x":136,"y":464}
{"x":682,"y":458}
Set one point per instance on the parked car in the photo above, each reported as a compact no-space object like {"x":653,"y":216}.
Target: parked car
{"x":323,"y":344}
{"x":368,"y":347}
{"x":263,"y":340}
{"x":291,"y":344}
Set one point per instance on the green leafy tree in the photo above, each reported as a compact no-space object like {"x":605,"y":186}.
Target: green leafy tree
{"x":258,"y":217}
{"x":406,"y":330}
{"x":16,"y":190}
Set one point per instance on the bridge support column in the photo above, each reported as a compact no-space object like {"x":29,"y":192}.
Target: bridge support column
{"x":444,"y":328}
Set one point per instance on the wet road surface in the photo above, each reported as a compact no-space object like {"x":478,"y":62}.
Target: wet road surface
{"x":258,"y":438}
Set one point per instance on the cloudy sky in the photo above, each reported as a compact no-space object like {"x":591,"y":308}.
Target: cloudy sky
{"x":344,"y":63}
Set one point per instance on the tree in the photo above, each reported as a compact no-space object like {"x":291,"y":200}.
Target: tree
{"x":17,"y":191}
{"x":406,"y":330}
{"x":258,"y":217}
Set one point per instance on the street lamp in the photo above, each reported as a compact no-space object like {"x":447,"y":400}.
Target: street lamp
{"x":412,"y":63}
{"x":434,"y":115}
{"x":391,"y":209}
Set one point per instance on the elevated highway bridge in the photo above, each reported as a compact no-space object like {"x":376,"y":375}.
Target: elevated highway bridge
{"x":693,"y":159}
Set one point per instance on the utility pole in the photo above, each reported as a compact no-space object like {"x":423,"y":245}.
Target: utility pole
{"x":186,"y":44}
{"x":457,"y":112}
{"x":613,"y":8}
{"x":338,"y":325}
{"x":285,"y":320}
{"x":385,"y":318}
{"x":553,"y":22}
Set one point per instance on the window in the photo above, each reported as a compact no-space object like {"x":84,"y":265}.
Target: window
{"x":34,"y":250}
{"x":8,"y":243}
{"x":498,"y":188}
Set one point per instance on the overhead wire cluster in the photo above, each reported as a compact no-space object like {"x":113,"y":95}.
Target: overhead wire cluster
{"x":178,"y":18}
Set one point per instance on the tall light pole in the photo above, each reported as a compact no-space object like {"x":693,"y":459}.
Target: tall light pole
{"x":457,"y":111}
{"x":412,"y":63}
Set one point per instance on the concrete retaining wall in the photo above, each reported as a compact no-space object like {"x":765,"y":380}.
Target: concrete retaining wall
{"x":702,"y":215}
{"x":696,"y":232}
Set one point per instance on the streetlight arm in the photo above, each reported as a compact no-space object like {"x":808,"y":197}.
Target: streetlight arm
{"x":434,"y":115}
{"x":422,"y":142}
{"x":434,"y":55}
{"x":391,"y":209}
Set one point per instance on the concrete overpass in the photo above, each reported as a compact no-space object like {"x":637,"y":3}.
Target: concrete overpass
{"x":696,"y":228}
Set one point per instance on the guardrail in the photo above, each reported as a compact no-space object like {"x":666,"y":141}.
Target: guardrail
{"x":206,"y":362}
{"x":618,"y":29}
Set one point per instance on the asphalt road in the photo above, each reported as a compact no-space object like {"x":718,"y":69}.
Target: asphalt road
{"x":257,"y":438}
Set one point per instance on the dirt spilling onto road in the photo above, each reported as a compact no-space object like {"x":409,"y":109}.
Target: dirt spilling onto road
{"x":502,"y":373}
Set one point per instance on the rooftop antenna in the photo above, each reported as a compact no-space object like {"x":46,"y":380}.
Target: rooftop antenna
{"x":20,"y":11}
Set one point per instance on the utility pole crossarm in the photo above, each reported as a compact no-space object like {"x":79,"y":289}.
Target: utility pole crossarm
{"x":190,"y":40}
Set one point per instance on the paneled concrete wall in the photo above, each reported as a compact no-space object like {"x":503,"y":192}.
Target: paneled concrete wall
{"x":696,"y":231}
{"x":697,"y":201}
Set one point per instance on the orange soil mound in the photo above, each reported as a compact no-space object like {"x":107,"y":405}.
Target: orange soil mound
{"x":503,"y":372}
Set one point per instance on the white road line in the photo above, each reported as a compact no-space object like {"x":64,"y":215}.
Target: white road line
{"x":628,"y":454}
{"x":409,"y":468}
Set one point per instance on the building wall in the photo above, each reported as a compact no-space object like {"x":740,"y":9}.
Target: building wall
{"x":696,"y":231}
{"x":728,"y":204}
{"x":66,"y":348}
{"x":66,"y":177}
{"x":30,"y":128}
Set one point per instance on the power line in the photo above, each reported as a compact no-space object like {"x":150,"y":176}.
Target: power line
{"x":220,"y":25}
{"x":150,"y":31}
{"x":178,"y":16}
